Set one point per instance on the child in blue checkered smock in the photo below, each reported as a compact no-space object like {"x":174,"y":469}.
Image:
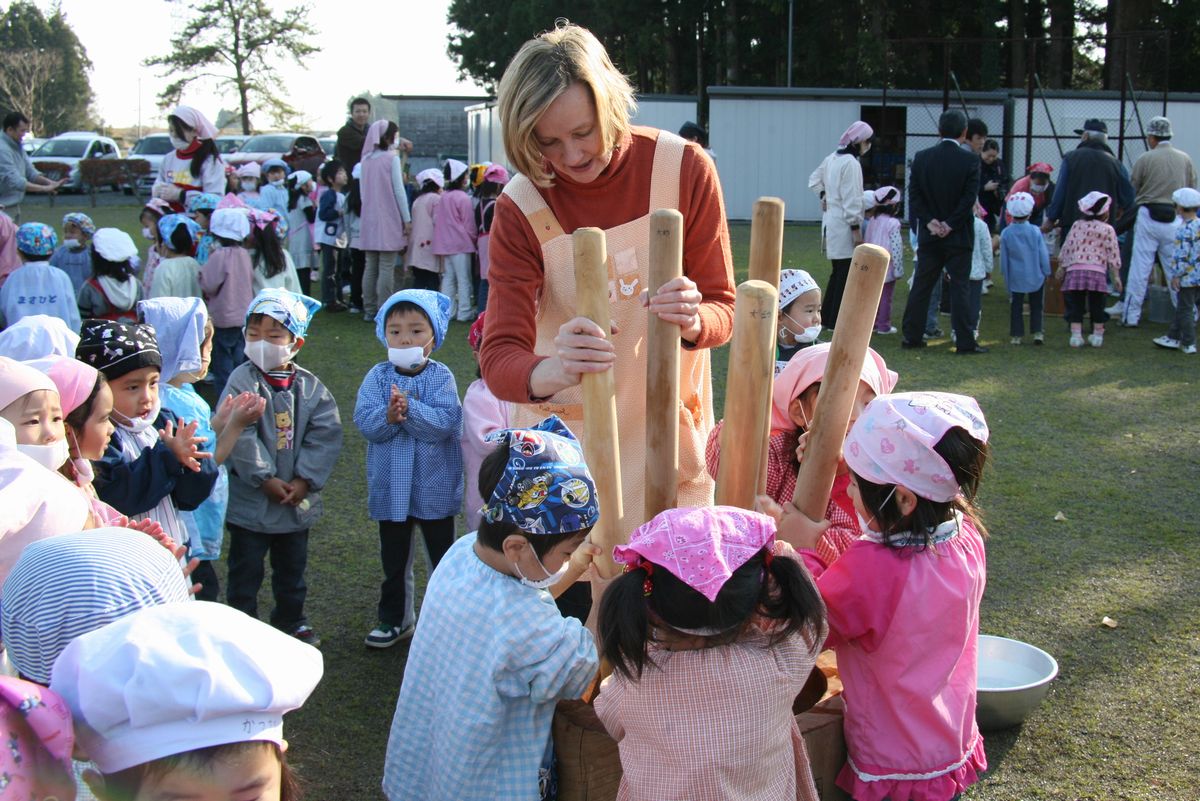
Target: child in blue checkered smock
{"x":408,"y":409}
{"x":492,"y":655}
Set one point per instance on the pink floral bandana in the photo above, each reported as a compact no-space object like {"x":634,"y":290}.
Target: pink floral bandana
{"x":702,"y":546}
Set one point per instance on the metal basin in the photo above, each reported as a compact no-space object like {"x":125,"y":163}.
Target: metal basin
{"x":1014,"y":677}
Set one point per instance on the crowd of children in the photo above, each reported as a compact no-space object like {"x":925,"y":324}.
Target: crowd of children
{"x":129,"y":481}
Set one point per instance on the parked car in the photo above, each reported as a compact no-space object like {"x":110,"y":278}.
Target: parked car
{"x":31,"y":143}
{"x":150,"y":148}
{"x":262,"y":147}
{"x":72,"y":147}
{"x":328,"y":144}
{"x":230,"y":143}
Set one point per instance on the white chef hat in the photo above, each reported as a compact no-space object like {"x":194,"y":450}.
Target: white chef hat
{"x":114,"y":244}
{"x":457,"y":168}
{"x":1020,"y":204}
{"x":230,"y":223}
{"x":793,"y":284}
{"x":869,"y":199}
{"x":177,"y":678}
{"x":1186,"y":198}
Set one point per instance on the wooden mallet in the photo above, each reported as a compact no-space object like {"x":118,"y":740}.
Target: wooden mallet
{"x":600,"y":437}
{"x":766,"y":263}
{"x":835,"y":402}
{"x":662,"y":369}
{"x":751,"y":369}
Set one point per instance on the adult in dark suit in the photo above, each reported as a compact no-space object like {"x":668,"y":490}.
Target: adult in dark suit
{"x":943,"y":189}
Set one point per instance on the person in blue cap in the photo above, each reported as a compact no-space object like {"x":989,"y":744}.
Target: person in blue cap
{"x":37,"y":286}
{"x":279,"y":467}
{"x":409,"y":412}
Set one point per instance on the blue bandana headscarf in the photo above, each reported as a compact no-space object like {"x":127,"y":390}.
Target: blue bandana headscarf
{"x":81,"y":221}
{"x":293,"y":310}
{"x":205,"y":201}
{"x":435,"y":305}
{"x":168,"y":224}
{"x":36,"y":239}
{"x":546,"y":487}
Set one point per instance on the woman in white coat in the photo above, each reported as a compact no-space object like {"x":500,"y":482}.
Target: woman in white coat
{"x":838,"y":182}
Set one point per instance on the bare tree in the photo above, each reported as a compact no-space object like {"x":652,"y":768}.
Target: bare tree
{"x":24,"y":75}
{"x":236,"y":43}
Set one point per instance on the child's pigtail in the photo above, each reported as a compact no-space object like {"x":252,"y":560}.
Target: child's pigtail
{"x":791,"y":597}
{"x":624,"y":624}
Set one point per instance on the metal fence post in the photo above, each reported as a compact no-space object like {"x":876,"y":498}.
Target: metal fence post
{"x":1124,"y":84}
{"x":1029,"y":71}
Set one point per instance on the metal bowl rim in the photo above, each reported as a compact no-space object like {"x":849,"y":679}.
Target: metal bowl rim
{"x":1040,"y":682}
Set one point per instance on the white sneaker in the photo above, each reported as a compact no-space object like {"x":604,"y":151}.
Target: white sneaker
{"x":1076,"y":341}
{"x":1116,"y":310}
{"x":1096,"y":340}
{"x":1039,"y":338}
{"x":1188,"y":349}
{"x":1015,"y":341}
{"x":1166,"y":342}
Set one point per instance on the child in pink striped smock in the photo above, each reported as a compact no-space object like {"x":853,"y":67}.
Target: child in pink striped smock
{"x":1090,"y":253}
{"x":711,"y":637}
{"x":903,"y":600}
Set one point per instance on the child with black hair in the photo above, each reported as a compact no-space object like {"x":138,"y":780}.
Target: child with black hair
{"x":358,"y":257}
{"x":331,"y":233}
{"x":178,"y":273}
{"x":112,"y":292}
{"x":494,"y":179}
{"x":408,"y":409}
{"x":884,"y":230}
{"x":37,"y":286}
{"x":454,"y":235}
{"x":903,"y":600}
{"x":426,"y":267}
{"x":492,"y":650}
{"x":301,"y":214}
{"x":74,"y":256}
{"x":273,"y":267}
{"x":1089,"y":254}
{"x":712,"y":632}
{"x":227,"y":279}
{"x":154,"y":210}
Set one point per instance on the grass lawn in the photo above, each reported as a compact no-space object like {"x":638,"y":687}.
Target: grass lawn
{"x":1107,"y":437}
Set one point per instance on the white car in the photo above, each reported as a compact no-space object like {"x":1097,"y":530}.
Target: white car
{"x":71,"y":148}
{"x":150,"y":148}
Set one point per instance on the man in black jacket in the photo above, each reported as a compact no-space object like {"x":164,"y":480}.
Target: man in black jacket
{"x":944,"y":187}
{"x":1090,"y":167}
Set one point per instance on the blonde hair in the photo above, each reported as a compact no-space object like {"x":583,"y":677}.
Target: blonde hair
{"x":542,"y":70}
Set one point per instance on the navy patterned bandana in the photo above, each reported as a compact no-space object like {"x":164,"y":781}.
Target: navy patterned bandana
{"x":546,"y":487}
{"x":116,"y":348}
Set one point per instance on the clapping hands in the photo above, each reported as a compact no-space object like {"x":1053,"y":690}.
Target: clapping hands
{"x":184,"y":444}
{"x":397,"y":410}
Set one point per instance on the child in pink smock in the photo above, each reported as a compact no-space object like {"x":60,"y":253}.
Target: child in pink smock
{"x":454,"y":235}
{"x":883,"y":229}
{"x":711,"y":636}
{"x":483,"y":414}
{"x":793,"y":402}
{"x":903,"y":601}
{"x":426,"y":267}
{"x":1088,"y":256}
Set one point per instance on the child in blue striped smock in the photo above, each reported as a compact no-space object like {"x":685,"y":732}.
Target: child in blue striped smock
{"x":408,"y":409}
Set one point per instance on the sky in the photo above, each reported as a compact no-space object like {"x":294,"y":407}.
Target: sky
{"x":400,"y":50}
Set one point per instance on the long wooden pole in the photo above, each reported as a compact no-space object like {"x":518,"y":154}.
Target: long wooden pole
{"x":766,"y":263}
{"x":839,"y":385}
{"x":600,"y":436}
{"x":751,"y":368}
{"x":662,"y":369}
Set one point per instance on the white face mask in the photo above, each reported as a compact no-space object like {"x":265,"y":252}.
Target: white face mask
{"x":179,"y":144}
{"x":545,"y":583}
{"x":148,"y":234}
{"x":138,"y":424}
{"x":248,"y":184}
{"x":809,"y":334}
{"x":71,"y":243}
{"x":407,"y":358}
{"x":267,"y":356}
{"x":50,"y":456}
{"x":1037,"y":189}
{"x":84,"y":474}
{"x":277,"y":182}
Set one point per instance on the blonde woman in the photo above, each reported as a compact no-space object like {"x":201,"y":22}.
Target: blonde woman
{"x":565,"y":110}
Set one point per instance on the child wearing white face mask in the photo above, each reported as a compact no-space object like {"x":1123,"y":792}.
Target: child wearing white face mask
{"x":408,"y":409}
{"x":278,"y":468}
{"x":799,"y":322}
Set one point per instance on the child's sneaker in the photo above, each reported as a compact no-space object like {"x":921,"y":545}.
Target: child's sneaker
{"x":385,"y":636}
{"x":1096,"y":340}
{"x":1188,"y":349}
{"x":1166,"y":342}
{"x":1039,"y":338}
{"x":307,"y":635}
{"x":1076,"y":341}
{"x":1015,"y":341}
{"x":889,"y":330}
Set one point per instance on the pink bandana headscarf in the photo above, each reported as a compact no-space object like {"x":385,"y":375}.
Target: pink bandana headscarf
{"x":892,"y":442}
{"x":1094,"y":203}
{"x":196,"y":121}
{"x":36,"y":760}
{"x":74,"y":379}
{"x":18,"y":380}
{"x":808,"y":367}
{"x":702,"y":546}
{"x":374,"y":134}
{"x":857,"y":132}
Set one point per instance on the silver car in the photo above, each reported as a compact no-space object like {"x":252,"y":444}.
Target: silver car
{"x":150,"y":148}
{"x":71,"y":148}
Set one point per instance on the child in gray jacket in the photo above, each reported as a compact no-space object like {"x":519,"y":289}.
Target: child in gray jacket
{"x":278,"y":467}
